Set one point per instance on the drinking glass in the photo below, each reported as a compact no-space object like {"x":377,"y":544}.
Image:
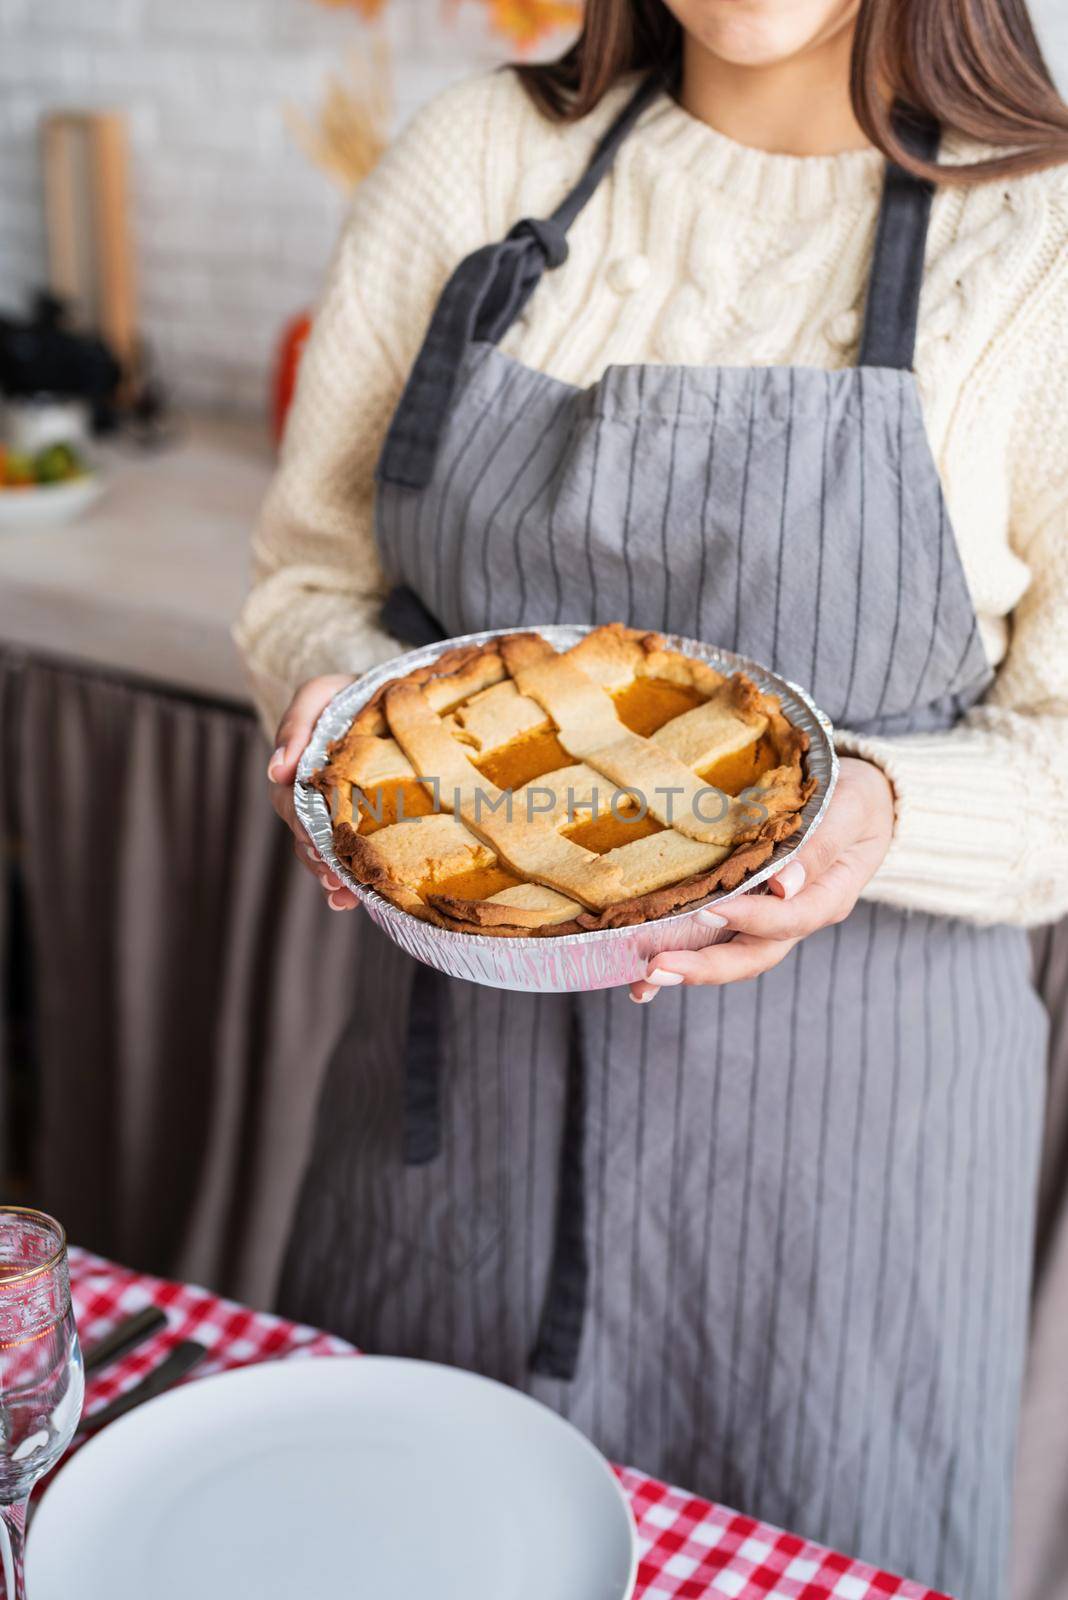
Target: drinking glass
{"x":41,"y":1377}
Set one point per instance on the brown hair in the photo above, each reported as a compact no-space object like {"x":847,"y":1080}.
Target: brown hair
{"x":975,"y":66}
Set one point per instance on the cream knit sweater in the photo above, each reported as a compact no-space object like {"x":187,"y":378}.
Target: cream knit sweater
{"x":697,"y":249}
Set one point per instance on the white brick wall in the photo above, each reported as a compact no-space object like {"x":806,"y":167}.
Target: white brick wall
{"x":1051,"y":17}
{"x":233,"y":227}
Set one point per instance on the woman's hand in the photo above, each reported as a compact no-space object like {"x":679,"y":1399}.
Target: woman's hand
{"x":819,"y":886}
{"x":294,"y":731}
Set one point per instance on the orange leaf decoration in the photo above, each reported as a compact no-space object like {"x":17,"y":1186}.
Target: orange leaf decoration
{"x":368,"y":9}
{"x":526,"y":22}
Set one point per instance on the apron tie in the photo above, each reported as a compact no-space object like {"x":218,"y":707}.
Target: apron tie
{"x":556,"y":1349}
{"x":548,"y":235}
{"x":422,"y":1077}
{"x":533,"y":245}
{"x":404,"y":616}
{"x":487,"y":291}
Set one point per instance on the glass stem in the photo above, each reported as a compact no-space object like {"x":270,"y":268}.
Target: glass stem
{"x":13,"y":1520}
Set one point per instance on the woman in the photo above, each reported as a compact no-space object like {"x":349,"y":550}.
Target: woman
{"x":768,"y":1239}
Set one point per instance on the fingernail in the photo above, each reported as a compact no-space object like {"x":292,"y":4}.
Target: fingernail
{"x":663,"y":979}
{"x":332,"y":903}
{"x":711,"y":919}
{"x":643,"y":999}
{"x":791,"y":879}
{"x":278,"y":757}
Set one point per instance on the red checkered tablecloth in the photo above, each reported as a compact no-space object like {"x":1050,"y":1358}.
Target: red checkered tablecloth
{"x":690,"y":1549}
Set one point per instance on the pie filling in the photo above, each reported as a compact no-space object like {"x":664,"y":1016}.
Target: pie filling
{"x":741,"y":770}
{"x":601,"y":834}
{"x":535,"y":754}
{"x":647,"y":703}
{"x":394,"y":802}
{"x":524,"y":759}
{"x":626,"y":823}
{"x":643,"y":705}
{"x":477,"y":884}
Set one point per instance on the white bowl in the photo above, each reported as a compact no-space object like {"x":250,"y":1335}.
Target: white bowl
{"x":48,"y":504}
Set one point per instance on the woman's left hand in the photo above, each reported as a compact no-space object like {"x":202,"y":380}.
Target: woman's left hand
{"x":819,"y":886}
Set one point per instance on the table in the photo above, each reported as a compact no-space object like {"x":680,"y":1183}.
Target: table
{"x":690,"y":1548}
{"x":148,"y":583}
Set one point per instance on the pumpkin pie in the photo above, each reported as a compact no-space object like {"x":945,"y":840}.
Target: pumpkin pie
{"x":513,"y":789}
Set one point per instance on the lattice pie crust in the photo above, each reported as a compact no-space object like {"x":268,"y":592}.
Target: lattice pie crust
{"x":512,"y":789}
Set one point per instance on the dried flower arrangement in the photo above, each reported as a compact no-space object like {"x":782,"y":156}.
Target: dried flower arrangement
{"x":352,"y":126}
{"x":351,"y":129}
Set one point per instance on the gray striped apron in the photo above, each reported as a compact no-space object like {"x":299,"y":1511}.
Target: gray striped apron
{"x":770,"y":1241}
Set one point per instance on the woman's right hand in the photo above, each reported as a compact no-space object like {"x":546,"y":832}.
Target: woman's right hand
{"x":294,"y":731}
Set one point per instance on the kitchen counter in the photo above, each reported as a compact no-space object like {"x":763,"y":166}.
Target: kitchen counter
{"x":196,"y":964}
{"x":149,"y":581}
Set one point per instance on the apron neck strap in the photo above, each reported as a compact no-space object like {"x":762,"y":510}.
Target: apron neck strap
{"x":536,"y":245}
{"x":607,"y":149}
{"x":892,"y":312}
{"x":481,"y":301}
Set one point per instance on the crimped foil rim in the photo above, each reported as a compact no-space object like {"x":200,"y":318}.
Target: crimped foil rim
{"x":312,"y":810}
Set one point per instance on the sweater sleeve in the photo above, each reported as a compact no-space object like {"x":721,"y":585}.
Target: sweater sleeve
{"x":316,"y":582}
{"x":982,"y":810}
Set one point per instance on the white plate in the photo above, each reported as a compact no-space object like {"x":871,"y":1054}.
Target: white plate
{"x":324,"y":1479}
{"x":48,"y":504}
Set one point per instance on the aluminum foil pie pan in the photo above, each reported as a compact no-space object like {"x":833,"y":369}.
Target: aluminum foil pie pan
{"x":564,"y":963}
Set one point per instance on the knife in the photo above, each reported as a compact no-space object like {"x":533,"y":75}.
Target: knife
{"x":181,"y":1360}
{"x":123,"y":1338}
